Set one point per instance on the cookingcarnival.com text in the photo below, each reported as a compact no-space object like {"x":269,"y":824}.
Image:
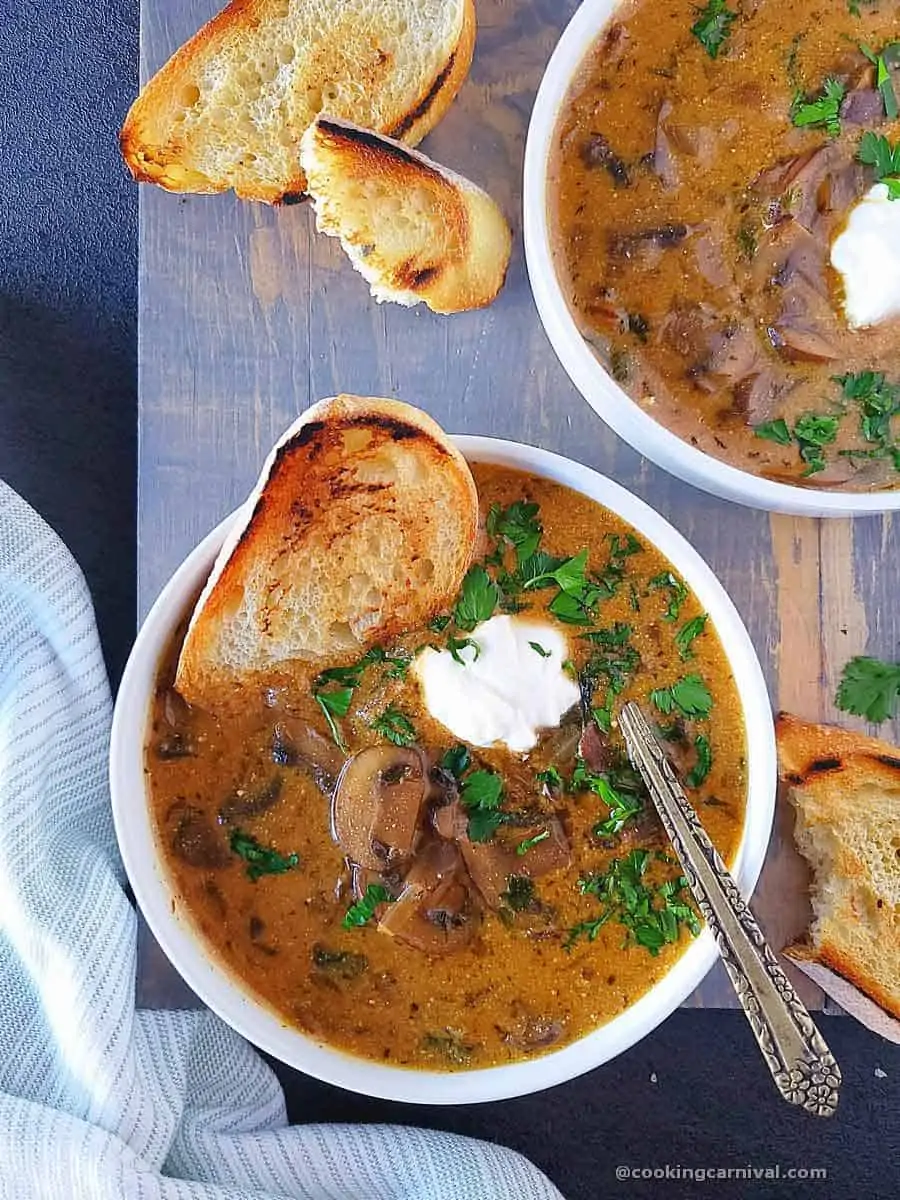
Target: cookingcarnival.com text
{"x":708,"y":1174}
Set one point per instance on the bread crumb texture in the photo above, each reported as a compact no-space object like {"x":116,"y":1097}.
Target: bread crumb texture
{"x":229,"y":108}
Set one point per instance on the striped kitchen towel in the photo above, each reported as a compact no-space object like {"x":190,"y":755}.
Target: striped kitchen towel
{"x":96,"y":1099}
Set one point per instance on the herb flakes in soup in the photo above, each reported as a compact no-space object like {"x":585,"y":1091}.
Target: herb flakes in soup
{"x":722,"y":202}
{"x":397,"y":891}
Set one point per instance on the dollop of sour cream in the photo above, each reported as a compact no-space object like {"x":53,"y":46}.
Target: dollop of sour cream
{"x":867,"y":255}
{"x":510,"y":684}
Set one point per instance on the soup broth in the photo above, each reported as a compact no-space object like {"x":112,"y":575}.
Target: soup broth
{"x":502,"y":967}
{"x":695,"y":201}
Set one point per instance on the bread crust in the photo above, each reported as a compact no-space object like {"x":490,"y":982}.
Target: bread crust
{"x":824,"y":768}
{"x":314,"y":507}
{"x":453,"y":259}
{"x":151,"y":162}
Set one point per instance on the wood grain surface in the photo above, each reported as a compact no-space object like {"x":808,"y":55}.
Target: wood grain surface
{"x":247,"y":317}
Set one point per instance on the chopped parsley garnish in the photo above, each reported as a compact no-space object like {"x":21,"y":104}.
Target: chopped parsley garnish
{"x":653,"y":916}
{"x":456,"y":760}
{"x":774,"y":431}
{"x":876,"y":151}
{"x":813,"y":432}
{"x":351,"y":676}
{"x":395,"y":726}
{"x":688,"y":634}
{"x":879,"y":403}
{"x":713,"y":25}
{"x":519,"y":892}
{"x":578,"y":596}
{"x":613,"y":661}
{"x":481,"y":793}
{"x":621,"y":792}
{"x":883,"y":81}
{"x":703,"y":765}
{"x":824,"y":111}
{"x":518,"y":525}
{"x":616,"y":635}
{"x":363,"y":910}
{"x":539,"y":649}
{"x":477,"y":600}
{"x":689,"y":696}
{"x":529,"y":843}
{"x":439,"y":624}
{"x":678,"y":593}
{"x":455,"y":645}
{"x":552,"y":778}
{"x":869,"y":688}
{"x":335,"y":703}
{"x":261,"y":860}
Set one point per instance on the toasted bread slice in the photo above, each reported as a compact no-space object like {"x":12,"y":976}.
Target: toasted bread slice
{"x":229,"y":108}
{"x":846,"y":791}
{"x":362,"y":525}
{"x":415,"y":230}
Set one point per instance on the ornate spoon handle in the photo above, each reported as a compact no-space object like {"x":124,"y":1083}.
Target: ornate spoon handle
{"x":802,"y":1066}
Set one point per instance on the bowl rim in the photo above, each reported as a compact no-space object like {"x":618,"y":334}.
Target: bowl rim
{"x":220,"y":989}
{"x":602,"y":393}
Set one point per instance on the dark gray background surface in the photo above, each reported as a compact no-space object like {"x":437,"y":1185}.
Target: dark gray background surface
{"x":695,"y":1093}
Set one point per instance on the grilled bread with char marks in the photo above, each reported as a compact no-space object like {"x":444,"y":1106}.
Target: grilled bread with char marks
{"x":414,"y":229}
{"x":229,"y":108}
{"x":845,"y":788}
{"x":362,"y":525}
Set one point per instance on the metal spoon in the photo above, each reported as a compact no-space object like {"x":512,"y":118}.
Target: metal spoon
{"x":802,"y":1066}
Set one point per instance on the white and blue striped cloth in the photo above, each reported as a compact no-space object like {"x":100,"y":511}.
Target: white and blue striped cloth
{"x":98,"y":1100}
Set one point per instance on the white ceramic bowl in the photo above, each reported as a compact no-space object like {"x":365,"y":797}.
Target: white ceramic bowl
{"x":585,"y":370}
{"x":222,"y":991}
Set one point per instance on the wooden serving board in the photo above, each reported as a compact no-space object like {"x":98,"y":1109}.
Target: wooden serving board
{"x":246,"y":317}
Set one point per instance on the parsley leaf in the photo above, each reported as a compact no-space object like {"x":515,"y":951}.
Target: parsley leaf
{"x":477,"y":600}
{"x":688,"y":634}
{"x":456,"y":760}
{"x":774,"y":431}
{"x":677,"y":588}
{"x":439,"y":624}
{"x":813,"y":432}
{"x":824,"y":111}
{"x":395,"y":726}
{"x":552,"y":778}
{"x":577,"y":597}
{"x":351,"y":676}
{"x":876,"y":151}
{"x":689,"y":695}
{"x":261,"y":860}
{"x":613,"y":661}
{"x":363,"y":910}
{"x":481,"y":793}
{"x":703,"y":765}
{"x":518,"y":525}
{"x":335,"y":703}
{"x":539,"y":566}
{"x":539,"y":649}
{"x":713,"y":26}
{"x":620,"y":790}
{"x":879,"y":403}
{"x":455,"y":645}
{"x":869,"y":688}
{"x":528,"y":843}
{"x":652,"y":916}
